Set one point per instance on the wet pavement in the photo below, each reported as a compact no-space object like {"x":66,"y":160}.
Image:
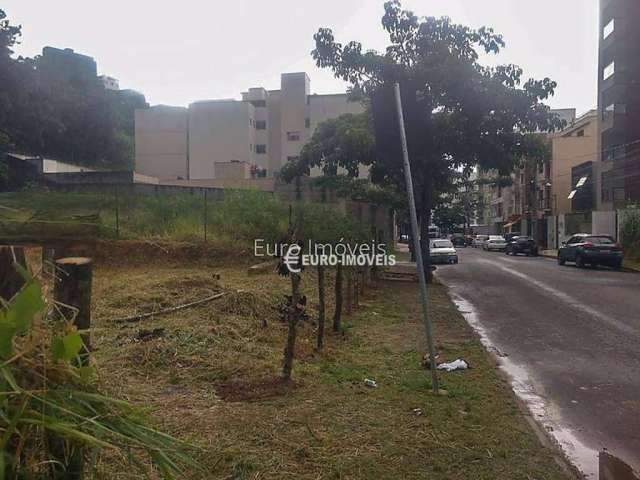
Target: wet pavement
{"x":569,"y":338}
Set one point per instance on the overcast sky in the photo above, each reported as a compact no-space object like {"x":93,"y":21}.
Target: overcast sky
{"x":179,"y":52}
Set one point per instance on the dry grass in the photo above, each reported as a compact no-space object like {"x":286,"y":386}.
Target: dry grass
{"x":327,"y":424}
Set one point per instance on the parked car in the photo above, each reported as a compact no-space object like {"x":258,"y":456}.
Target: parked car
{"x":522,"y":244}
{"x":495,"y":242}
{"x":510,"y":236}
{"x":442,"y":251}
{"x":468,"y":240}
{"x":458,"y":240}
{"x":478,"y":241}
{"x":589,"y":249}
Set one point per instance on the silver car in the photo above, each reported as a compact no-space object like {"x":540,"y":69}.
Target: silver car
{"x":479,"y":240}
{"x":495,"y":242}
{"x":442,"y":251}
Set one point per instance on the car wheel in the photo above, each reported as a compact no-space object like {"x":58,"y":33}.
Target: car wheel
{"x":579,"y":261}
{"x":561,"y":261}
{"x":593,"y":265}
{"x":617,"y":266}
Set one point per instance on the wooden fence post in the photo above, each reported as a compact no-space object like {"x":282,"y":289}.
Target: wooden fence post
{"x":72,"y":288}
{"x":10,"y":279}
{"x":356,"y":288}
{"x":349,"y":290}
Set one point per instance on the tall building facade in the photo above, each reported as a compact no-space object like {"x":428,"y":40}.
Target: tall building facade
{"x":574,"y":153}
{"x":619,"y":101}
{"x":68,"y":65}
{"x":221,"y":138}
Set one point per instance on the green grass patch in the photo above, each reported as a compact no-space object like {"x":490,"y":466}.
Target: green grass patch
{"x":330,"y":425}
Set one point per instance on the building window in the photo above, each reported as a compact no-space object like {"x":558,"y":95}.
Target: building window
{"x":251,"y":122}
{"x":580,"y":133}
{"x":307,"y":123}
{"x":293,"y":136}
{"x":261,"y":125}
{"x":251,"y":147}
{"x":259,"y":103}
{"x":609,"y":70}
{"x":608,"y":112}
{"x":261,"y":148}
{"x":608,"y":29}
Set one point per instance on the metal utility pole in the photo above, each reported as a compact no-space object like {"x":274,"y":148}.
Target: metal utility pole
{"x":416,"y":242}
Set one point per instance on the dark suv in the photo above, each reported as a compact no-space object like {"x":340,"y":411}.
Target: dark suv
{"x":593,"y":250}
{"x":458,"y":240}
{"x":510,"y":236}
{"x":525,"y":245}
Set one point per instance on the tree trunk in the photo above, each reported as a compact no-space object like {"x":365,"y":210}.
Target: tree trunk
{"x":10,"y":279}
{"x":425,"y":220}
{"x":321,"y":310}
{"x":337,"y":315}
{"x":412,"y":252}
{"x":294,"y":315}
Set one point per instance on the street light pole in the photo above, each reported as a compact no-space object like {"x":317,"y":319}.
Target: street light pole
{"x":416,"y":242}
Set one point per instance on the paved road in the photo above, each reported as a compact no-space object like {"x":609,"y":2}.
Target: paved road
{"x":576,"y":333}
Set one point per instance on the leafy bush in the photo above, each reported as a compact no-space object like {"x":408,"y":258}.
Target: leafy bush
{"x":630,"y":231}
{"x":51,"y":415}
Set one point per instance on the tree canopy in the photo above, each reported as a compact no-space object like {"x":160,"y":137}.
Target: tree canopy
{"x":459,"y":114}
{"x":345,"y":142}
{"x":43,"y":113}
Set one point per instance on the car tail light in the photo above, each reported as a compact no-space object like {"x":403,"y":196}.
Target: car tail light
{"x":588,"y":245}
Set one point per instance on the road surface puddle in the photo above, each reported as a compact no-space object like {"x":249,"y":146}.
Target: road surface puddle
{"x":583,"y":457}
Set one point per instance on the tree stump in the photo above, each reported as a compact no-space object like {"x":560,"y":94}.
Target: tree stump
{"x":72,"y":290}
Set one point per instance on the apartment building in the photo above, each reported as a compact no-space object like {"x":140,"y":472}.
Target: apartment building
{"x":575,"y":154}
{"x":524,"y":204}
{"x":68,"y":65}
{"x":225,"y":139}
{"x":619,"y":102}
{"x":109,"y":83}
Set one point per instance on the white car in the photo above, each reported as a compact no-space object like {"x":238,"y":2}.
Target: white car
{"x":478,"y":241}
{"x":495,"y":242}
{"x":442,"y":251}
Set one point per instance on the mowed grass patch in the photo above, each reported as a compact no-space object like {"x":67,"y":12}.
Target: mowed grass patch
{"x":208,"y":380}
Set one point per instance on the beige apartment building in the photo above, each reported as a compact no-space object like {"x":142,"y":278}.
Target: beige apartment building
{"x":234,"y":139}
{"x":525,"y":205}
{"x":575,"y":156}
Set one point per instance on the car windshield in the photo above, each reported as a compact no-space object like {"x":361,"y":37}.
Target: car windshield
{"x":495,"y":237}
{"x":523,"y":239}
{"x":442,"y":244}
{"x":600,"y":240}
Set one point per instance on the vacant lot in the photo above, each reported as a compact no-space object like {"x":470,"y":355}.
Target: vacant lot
{"x":208,"y":374}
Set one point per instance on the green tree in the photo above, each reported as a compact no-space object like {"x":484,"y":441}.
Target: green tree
{"x":344,"y":142}
{"x":43,"y":113}
{"x":459,"y":114}
{"x":449,"y":216}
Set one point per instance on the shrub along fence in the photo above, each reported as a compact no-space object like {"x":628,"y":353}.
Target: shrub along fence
{"x":193,"y":216}
{"x":630,"y":231}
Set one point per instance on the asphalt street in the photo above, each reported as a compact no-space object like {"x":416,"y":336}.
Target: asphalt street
{"x":575,"y":332}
